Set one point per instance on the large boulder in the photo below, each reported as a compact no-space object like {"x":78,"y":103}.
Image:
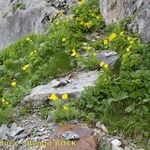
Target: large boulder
{"x":116,"y":10}
{"x":73,"y":84}
{"x":21,"y":17}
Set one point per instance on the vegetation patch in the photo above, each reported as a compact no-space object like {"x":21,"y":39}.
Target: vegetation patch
{"x":120,"y":98}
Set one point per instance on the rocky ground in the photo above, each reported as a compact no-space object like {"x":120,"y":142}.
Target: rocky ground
{"x":33,"y":133}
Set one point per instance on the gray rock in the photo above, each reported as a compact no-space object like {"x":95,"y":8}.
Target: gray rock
{"x":116,"y":142}
{"x":116,"y":148}
{"x":69,"y":135}
{"x":35,"y":18}
{"x":39,"y":95}
{"x":57,"y":83}
{"x":3,"y":131}
{"x":21,"y":136}
{"x":98,"y":125}
{"x":14,"y":130}
{"x":109,"y":57}
{"x":49,"y":119}
{"x":116,"y":10}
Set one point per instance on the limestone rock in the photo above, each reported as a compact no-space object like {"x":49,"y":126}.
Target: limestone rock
{"x":87,"y":141}
{"x":77,"y":83}
{"x":34,"y":18}
{"x":14,"y":130}
{"x":116,"y":10}
{"x":3,"y":131}
{"x":69,"y":135}
{"x":109,"y":57}
{"x":116,"y":142}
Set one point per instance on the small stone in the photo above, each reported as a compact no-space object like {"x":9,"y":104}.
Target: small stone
{"x":101,"y":126}
{"x":3,"y":131}
{"x":108,"y":57}
{"x":104,"y":128}
{"x":116,"y":142}
{"x":69,"y":135}
{"x":116,"y":148}
{"x":14,"y":130}
{"x":22,"y":136}
{"x":49,"y":119}
{"x":55,"y":83}
{"x":98,"y":125}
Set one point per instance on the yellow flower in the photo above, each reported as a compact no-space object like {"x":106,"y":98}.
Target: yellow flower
{"x":64,"y":39}
{"x":74,"y":53}
{"x":129,"y":38}
{"x":88,"y":24}
{"x":65,"y":107}
{"x":57,"y":23}
{"x":102,"y":64}
{"x":6,"y":103}
{"x":88,"y":48}
{"x":13,"y":84}
{"x":128,"y":49}
{"x":94,"y":54}
{"x":33,"y":52}
{"x":3,"y":100}
{"x":112,"y":36}
{"x":131,"y":42}
{"x":106,"y":66}
{"x":28,"y":39}
{"x":106,"y":42}
{"x":77,"y":10}
{"x":97,"y":17}
{"x":81,"y":23}
{"x":122,"y":33}
{"x":65,"y":96}
{"x":24,"y":68}
{"x":81,"y":2}
{"x":53,"y":97}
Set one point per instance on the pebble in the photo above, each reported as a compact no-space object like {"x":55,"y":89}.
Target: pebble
{"x":116,"y":143}
{"x":69,"y":135}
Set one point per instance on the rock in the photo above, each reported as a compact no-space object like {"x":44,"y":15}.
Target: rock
{"x":116,"y":10}
{"x":116,"y":148}
{"x":21,"y":136}
{"x":3,"y":131}
{"x":69,"y":135}
{"x":57,"y":83}
{"x":116,"y":142}
{"x":87,"y":141}
{"x":34,"y":19}
{"x":101,"y":126}
{"x":109,"y":57}
{"x":98,"y":125}
{"x":77,"y":83}
{"x":81,"y":131}
{"x":14,"y":130}
{"x":49,"y":118}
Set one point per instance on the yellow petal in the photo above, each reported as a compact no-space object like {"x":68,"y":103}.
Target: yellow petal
{"x":122,"y":33}
{"x":112,"y":37}
{"x":53,"y":97}
{"x":65,"y":107}
{"x":65,"y":96}
{"x":106,"y":42}
{"x":63,"y":39}
{"x":106,"y":66}
{"x":13,"y":84}
{"x":102,"y":64}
